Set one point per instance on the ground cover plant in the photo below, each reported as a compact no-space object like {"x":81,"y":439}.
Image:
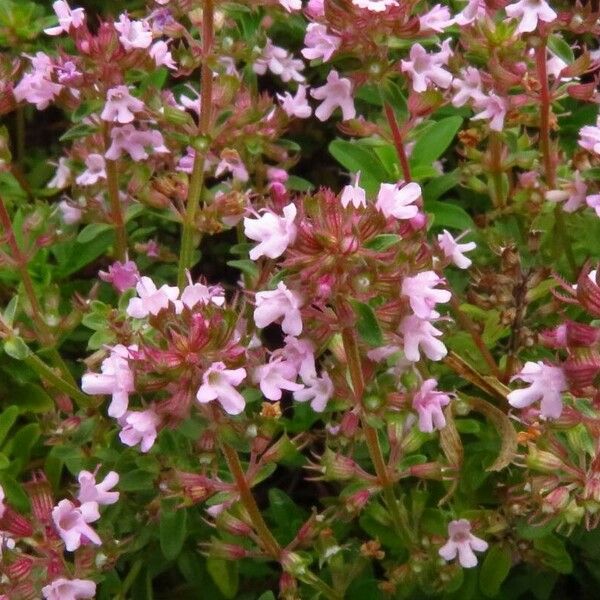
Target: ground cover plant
{"x":299,"y":299}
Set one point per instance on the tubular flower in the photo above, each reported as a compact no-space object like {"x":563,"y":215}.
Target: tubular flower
{"x":67,"y":18}
{"x":121,"y":106}
{"x":423,"y":295}
{"x":337,"y":92}
{"x":428,"y":402}
{"x":276,"y":376}
{"x":425,"y":68}
{"x":529,"y":12}
{"x":139,"y":427}
{"x":281,"y":303}
{"x":455,"y":251}
{"x":71,"y":523}
{"x":97,"y":493}
{"x":151,"y":300}
{"x":273,"y":233}
{"x":219,"y":383}
{"x":69,"y":589}
{"x":462,"y":543}
{"x":398,"y":202}
{"x":420,"y":334}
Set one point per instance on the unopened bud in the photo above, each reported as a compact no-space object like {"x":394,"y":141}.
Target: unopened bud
{"x":429,"y":470}
{"x":543,"y":461}
{"x":294,"y":564}
{"x":219,"y":549}
{"x":556,"y":500}
{"x":233,"y":525}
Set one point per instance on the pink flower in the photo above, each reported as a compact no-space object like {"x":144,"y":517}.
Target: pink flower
{"x":301,"y":354}
{"x":494,"y":108}
{"x":232,"y":163}
{"x":71,"y":523}
{"x":281,"y":303}
{"x":2,"y":505}
{"x":69,"y":589}
{"x":475,"y":10}
{"x":455,"y":251}
{"x":115,"y":379}
{"x":593,"y":201}
{"x":62,"y":176}
{"x":198,"y":293}
{"x":318,"y":43}
{"x":70,"y":214}
{"x":37,"y":86}
{"x":291,"y":5}
{"x":315,"y":8}
{"x":546,"y":384}
{"x":139,"y":427}
{"x":135,"y":142}
{"x":428,"y":402}
{"x":530,"y":12}
{"x":97,"y":493}
{"x":96,"y":170}
{"x":335,"y":93}
{"x":273,"y":233}
{"x":297,"y":105}
{"x":397,"y":202}
{"x":122,"y":276}
{"x":121,"y":105}
{"x":354,"y":194}
{"x":133,"y":34}
{"x":462,"y":542}
{"x":67,"y":18}
{"x":319,"y":391}
{"x":436,"y":19}
{"x":589,"y":137}
{"x":574,"y":193}
{"x":276,"y":376}
{"x":219,"y":383}
{"x":468,"y":88}
{"x":151,"y":300}
{"x":424,"y":68}
{"x":421,"y":334}
{"x":160,"y":53}
{"x":423,"y":295}
{"x":279,"y":62}
{"x":375,"y":5}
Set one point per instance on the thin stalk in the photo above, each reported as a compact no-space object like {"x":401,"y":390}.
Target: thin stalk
{"x":130,"y":578}
{"x":270,"y":544}
{"x":20,"y":135}
{"x":116,"y":211}
{"x":197,"y":178}
{"x":495,"y":150}
{"x":45,"y":372}
{"x":398,"y":143}
{"x":371,"y":437}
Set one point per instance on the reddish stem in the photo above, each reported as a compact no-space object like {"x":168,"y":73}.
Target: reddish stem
{"x":398,"y":143}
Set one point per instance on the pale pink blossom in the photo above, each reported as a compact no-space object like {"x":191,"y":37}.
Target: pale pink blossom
{"x":71,"y":523}
{"x":219,"y":383}
{"x":98,"y":493}
{"x":36,"y":86}
{"x":382,"y":353}
{"x":589,"y":137}
{"x":275,"y":174}
{"x":467,"y":87}
{"x":297,"y":105}
{"x":425,"y":68}
{"x":281,"y":303}
{"x":69,"y":589}
{"x":319,"y":43}
{"x":274,"y":377}
{"x":139,"y":427}
{"x":273,"y":233}
{"x":232,"y":163}
{"x":354,"y":194}
{"x":62,"y":176}
{"x":337,"y":92}
{"x":436,"y":19}
{"x":161,"y":55}
{"x":69,"y":212}
{"x":315,"y":8}
{"x":475,"y":10}
{"x":455,"y":251}
{"x":546,"y":384}
{"x":151,"y":300}
{"x":375,"y":5}
{"x":122,"y":276}
{"x":423,"y":295}
{"x":494,"y":108}
{"x":529,"y":12}
{"x":593,"y":201}
{"x":301,"y":354}
{"x":279,"y":62}
{"x":116,"y":379}
{"x":429,"y":402}
{"x":420,"y":335}
{"x":318,"y":392}
{"x":135,"y":142}
{"x":291,"y":5}
{"x":96,"y":170}
{"x":67,"y":18}
{"x":133,"y":34}
{"x":198,"y":293}
{"x":398,"y":202}
{"x":2,"y":505}
{"x":574,"y":193}
{"x":462,"y":543}
{"x":121,"y":106}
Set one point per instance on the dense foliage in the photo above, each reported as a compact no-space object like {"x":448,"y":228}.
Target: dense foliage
{"x":299,"y":299}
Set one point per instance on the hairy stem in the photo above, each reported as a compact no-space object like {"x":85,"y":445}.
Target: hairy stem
{"x":197,"y":179}
{"x":398,"y":143}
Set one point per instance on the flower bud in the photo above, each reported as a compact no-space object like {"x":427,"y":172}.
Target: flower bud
{"x":233,"y":525}
{"x":40,"y":496}
{"x":294,"y":564}
{"x":337,"y":467}
{"x":588,"y":293}
{"x":19,"y":569}
{"x":543,"y":461}
{"x":288,"y":588}
{"x":15,"y":524}
{"x":219,"y":549}
{"x":429,"y":470}
{"x":357,"y":501}
{"x":556,"y":500}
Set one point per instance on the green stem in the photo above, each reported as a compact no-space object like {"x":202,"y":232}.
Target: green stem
{"x":495,"y":149}
{"x":112,"y":178}
{"x":197,"y":179}
{"x":45,"y":372}
{"x":130,"y":578}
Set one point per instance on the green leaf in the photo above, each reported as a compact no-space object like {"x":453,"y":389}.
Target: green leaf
{"x":33,"y":398}
{"x":367,"y":325}
{"x":561,"y":48}
{"x":16,"y":348}
{"x":245,"y":265}
{"x":494,"y":570}
{"x":554,"y":553}
{"x":225,"y":575}
{"x":136,"y":481}
{"x":433,"y":143}
{"x":78,"y":131}
{"x":267,"y":596}
{"x":172,"y":532}
{"x":92,"y":231}
{"x":7,"y":420}
{"x":11,"y":310}
{"x":446,"y":214}
{"x":383,"y":242}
